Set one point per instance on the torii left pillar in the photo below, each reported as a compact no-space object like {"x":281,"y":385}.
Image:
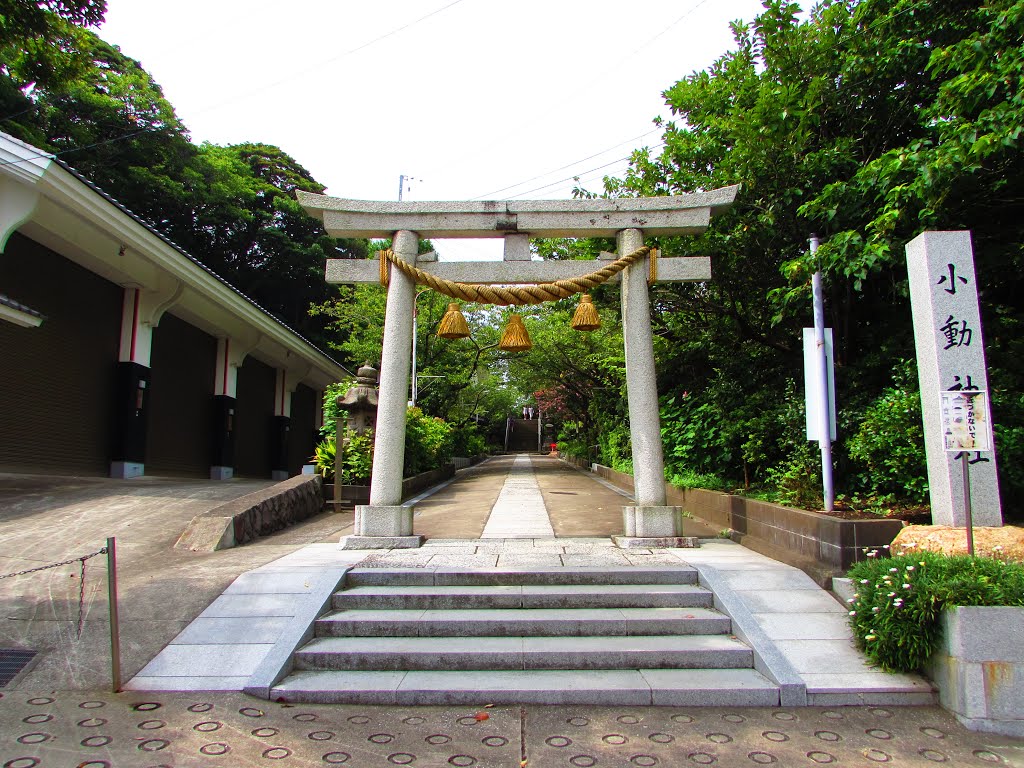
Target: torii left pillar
{"x":384,"y":522}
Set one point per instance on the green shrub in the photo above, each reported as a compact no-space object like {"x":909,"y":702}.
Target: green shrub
{"x":428,"y":442}
{"x":889,"y":447}
{"x":331,"y":411}
{"x":689,"y":479}
{"x":325,"y":457}
{"x":357,"y":458}
{"x":467,"y":441}
{"x":895,"y":613}
{"x":617,"y":448}
{"x":796,"y":481}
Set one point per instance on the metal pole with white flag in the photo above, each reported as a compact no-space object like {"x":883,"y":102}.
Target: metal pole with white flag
{"x":821,"y":362}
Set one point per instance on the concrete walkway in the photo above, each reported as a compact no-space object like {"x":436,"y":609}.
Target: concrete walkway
{"x":519,"y":512}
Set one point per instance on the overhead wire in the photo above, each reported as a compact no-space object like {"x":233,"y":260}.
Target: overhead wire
{"x":564,"y":167}
{"x":840,"y":39}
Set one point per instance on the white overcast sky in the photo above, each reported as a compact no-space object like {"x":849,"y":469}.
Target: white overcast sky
{"x":471,"y":98}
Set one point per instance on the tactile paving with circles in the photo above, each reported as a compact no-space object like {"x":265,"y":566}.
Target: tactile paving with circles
{"x":98,"y":730}
{"x":863,"y":736}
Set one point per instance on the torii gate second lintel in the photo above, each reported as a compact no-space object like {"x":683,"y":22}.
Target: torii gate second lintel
{"x":384,"y":522}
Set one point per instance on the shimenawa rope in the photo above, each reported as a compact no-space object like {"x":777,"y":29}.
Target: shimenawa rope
{"x":515,"y":295}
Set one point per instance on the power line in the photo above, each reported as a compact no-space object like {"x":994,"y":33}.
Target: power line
{"x":345,"y":54}
{"x":835,"y":45}
{"x":564,"y":167}
{"x":575,"y":176}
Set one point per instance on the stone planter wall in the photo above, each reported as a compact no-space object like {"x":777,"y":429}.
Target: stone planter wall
{"x":257,"y":514}
{"x":979,"y":668}
{"x":820,"y":545}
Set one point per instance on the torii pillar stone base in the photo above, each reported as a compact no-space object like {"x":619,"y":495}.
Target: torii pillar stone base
{"x":382,"y":527}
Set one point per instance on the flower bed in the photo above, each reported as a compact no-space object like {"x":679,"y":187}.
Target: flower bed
{"x":959,"y":619}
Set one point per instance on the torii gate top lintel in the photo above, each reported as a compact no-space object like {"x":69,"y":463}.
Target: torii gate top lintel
{"x":673,"y":215}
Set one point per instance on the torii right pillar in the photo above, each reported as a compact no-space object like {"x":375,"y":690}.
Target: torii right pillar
{"x":650,"y":517}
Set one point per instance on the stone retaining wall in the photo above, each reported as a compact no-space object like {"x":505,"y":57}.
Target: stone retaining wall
{"x":820,"y":545}
{"x":257,"y":514}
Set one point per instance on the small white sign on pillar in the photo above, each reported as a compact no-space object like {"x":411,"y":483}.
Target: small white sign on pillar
{"x":951,"y":361}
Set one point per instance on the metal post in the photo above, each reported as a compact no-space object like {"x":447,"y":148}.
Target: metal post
{"x":968,"y":520}
{"x":115,"y":627}
{"x":824,"y":417}
{"x":415,"y":323}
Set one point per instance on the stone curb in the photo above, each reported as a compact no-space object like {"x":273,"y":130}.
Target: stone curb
{"x":278,"y":661}
{"x":768,"y":660}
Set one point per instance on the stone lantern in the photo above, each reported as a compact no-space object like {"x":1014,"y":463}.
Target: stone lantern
{"x":360,"y":402}
{"x":359,"y":406}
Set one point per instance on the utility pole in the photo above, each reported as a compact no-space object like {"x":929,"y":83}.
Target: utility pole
{"x":401,"y":184}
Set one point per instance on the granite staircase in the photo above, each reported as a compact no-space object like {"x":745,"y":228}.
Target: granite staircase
{"x":610,"y":636}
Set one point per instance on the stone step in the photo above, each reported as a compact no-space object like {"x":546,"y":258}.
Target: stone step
{"x":518,"y":653}
{"x":365,"y":577}
{"x":539,"y":596}
{"x":539,"y":622}
{"x":658,"y":687}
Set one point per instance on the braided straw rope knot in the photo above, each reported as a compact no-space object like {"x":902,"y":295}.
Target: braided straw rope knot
{"x":518,"y":295}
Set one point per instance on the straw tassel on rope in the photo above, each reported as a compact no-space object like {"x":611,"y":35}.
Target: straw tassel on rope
{"x":515,"y":337}
{"x":586,"y":317}
{"x":453,"y":324}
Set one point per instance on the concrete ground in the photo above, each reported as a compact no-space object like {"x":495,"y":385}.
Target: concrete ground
{"x":58,"y":713}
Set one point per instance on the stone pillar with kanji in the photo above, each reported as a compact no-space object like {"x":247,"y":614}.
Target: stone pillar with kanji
{"x":951,"y":360}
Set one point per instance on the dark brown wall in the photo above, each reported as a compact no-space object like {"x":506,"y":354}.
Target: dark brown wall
{"x":56,"y":381}
{"x":181,"y":399}
{"x":254,"y":418}
{"x":301,"y":436}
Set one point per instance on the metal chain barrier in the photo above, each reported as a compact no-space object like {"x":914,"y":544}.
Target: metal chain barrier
{"x":81,"y":585}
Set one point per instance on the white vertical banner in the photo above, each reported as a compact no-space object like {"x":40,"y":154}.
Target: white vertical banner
{"x":813,"y":388}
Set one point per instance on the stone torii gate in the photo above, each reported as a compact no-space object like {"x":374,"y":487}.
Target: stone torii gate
{"x":384,"y":522}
